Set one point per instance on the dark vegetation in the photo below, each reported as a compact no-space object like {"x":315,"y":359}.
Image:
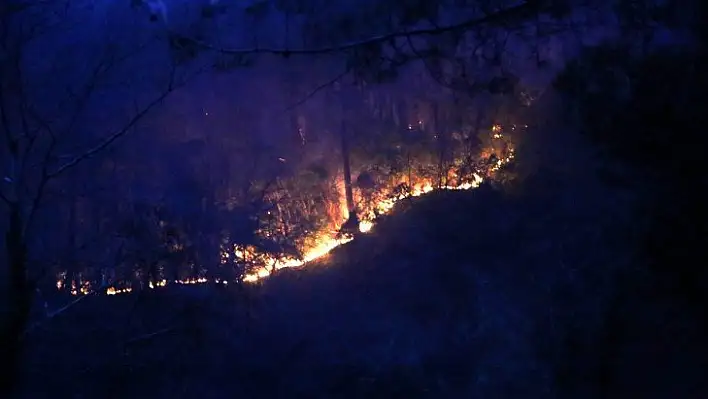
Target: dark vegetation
{"x":576,"y":271}
{"x":425,"y":306}
{"x":659,"y":129}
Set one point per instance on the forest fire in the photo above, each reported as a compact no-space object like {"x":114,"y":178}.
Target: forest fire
{"x":327,"y":244}
{"x":369,"y":207}
{"x":324,"y":246}
{"x":366,"y":224}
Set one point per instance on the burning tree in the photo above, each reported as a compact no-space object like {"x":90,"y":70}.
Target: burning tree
{"x":53,"y":102}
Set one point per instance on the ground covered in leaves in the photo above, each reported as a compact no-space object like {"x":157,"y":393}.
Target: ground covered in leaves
{"x":535,"y":293}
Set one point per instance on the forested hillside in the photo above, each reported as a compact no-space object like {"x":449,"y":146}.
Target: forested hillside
{"x":340,"y":199}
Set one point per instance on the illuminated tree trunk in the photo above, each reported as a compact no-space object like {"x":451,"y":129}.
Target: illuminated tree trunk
{"x":472,"y":140}
{"x":72,"y":272}
{"x":409,"y":168}
{"x":348,"y":192}
{"x":442,"y":146}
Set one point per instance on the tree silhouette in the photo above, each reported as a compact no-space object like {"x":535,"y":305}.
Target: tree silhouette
{"x":45,"y":109}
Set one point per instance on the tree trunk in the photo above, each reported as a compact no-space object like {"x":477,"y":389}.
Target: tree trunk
{"x":19,"y":302}
{"x":409,"y":169}
{"x":348,"y":192}
{"x":442,"y":146}
{"x":472,"y":140}
{"x":72,"y":270}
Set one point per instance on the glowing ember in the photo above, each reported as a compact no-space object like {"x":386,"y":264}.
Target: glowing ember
{"x":160,"y":283}
{"x":114,"y":291}
{"x":192,"y":281}
{"x":365,"y":226}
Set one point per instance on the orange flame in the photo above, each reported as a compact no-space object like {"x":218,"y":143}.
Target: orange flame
{"x":325,"y":241}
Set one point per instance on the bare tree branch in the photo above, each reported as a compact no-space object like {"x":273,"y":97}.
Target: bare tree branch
{"x":43,"y":180}
{"x":5,"y":122}
{"x":519,"y":11}
{"x":469,"y":86}
{"x":81,"y":99}
{"x":56,"y":313}
{"x":21,"y":93}
{"x":317,"y":89}
{"x":4,"y":198}
{"x":116,"y":135}
{"x":47,"y":175}
{"x":149,"y":336}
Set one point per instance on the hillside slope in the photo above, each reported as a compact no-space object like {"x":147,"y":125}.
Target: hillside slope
{"x":475,"y":293}
{"x":486,"y":294}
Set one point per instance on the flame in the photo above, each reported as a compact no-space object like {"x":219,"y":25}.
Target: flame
{"x":323,"y":247}
{"x":343,"y":210}
{"x":160,"y":283}
{"x":365,"y":226}
{"x":325,"y":242}
{"x":114,"y":291}
{"x":191,"y":281}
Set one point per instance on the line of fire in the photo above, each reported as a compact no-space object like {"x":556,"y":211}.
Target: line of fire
{"x":332,"y":188}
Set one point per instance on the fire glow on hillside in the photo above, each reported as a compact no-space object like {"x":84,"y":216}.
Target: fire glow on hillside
{"x":327,"y":243}
{"x":324,"y":242}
